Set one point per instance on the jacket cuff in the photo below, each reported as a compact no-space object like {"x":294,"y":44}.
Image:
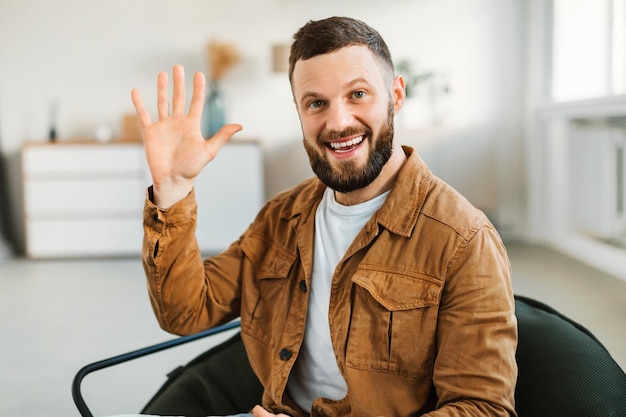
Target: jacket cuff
{"x":181,"y":212}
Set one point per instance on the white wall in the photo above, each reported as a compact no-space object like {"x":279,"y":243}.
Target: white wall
{"x":89,"y":54}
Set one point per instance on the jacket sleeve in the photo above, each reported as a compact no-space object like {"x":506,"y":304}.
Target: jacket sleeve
{"x":475,"y":369}
{"x":183,"y":298}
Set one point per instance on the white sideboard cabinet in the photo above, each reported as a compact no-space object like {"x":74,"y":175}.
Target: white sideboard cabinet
{"x":86,"y":198}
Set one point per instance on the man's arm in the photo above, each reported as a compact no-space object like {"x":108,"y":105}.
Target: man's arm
{"x":176,"y":153}
{"x":475,"y":370}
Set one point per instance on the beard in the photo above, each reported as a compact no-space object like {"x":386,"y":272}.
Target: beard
{"x":349,"y":175}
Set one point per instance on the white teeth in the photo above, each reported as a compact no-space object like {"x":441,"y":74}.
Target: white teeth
{"x":351,"y":142}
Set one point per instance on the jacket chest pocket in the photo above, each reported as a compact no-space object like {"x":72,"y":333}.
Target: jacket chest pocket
{"x":265,"y":296}
{"x":394,"y":322}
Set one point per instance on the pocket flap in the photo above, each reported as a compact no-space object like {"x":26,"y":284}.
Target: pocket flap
{"x":269,"y":260}
{"x":397,"y":289}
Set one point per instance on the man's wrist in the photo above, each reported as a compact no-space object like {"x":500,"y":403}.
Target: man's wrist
{"x":166,"y":196}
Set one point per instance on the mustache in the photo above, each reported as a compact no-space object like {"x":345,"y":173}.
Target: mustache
{"x":329,"y":135}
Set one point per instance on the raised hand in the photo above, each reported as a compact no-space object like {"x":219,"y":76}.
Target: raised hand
{"x":175,"y":149}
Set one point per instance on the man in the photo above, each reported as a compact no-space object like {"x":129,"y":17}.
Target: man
{"x":373,"y":289}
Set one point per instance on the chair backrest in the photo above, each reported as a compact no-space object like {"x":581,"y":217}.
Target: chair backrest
{"x":563,"y":369}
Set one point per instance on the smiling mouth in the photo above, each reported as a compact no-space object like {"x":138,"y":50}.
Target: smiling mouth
{"x":346,"y":146}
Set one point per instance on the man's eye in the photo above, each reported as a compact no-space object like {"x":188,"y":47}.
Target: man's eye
{"x":358,"y":94}
{"x":315,"y":104}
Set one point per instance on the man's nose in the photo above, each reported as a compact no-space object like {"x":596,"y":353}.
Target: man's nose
{"x":339,"y":117}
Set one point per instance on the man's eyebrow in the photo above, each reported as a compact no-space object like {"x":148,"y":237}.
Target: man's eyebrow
{"x":308,"y":95}
{"x":356,"y":81}
{"x":348,"y":84}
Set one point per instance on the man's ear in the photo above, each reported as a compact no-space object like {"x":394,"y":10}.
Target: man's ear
{"x":398,"y":93}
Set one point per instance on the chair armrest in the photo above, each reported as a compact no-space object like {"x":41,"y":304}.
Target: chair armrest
{"x":125,"y":357}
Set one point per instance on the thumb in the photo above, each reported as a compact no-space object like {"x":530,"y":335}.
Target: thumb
{"x":215,"y":143}
{"x":226,"y":132}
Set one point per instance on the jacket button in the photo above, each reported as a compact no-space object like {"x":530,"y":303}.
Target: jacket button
{"x":302,"y":285}
{"x":284,"y":354}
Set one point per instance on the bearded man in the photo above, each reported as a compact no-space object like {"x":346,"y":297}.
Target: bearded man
{"x":371,"y":289}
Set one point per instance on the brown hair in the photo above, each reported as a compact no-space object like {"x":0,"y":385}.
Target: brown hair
{"x":328,"y":35}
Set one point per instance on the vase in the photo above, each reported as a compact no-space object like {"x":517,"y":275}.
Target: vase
{"x":214,"y":112}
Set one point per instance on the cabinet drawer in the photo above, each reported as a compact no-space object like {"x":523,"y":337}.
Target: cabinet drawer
{"x":75,"y":197}
{"x":82,"y":237}
{"x":76,"y":159}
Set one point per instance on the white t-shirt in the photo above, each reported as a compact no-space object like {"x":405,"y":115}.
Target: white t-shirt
{"x":316,"y":374}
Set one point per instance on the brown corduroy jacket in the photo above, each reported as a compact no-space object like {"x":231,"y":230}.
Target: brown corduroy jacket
{"x":421,"y":310}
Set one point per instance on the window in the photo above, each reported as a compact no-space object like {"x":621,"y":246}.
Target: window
{"x":588,"y":49}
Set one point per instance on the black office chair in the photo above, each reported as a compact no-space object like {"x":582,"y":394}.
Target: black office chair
{"x":564,"y":371}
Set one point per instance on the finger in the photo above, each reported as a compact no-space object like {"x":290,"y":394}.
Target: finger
{"x":140,"y":110}
{"x":259,"y":411}
{"x":197,"y":99}
{"x":162,"y":95}
{"x":218,"y":140}
{"x":178,"y":100}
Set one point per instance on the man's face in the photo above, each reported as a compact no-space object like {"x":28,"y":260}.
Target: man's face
{"x":346,"y":110}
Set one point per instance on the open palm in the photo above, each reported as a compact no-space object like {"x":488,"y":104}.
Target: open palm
{"x":175,"y":149}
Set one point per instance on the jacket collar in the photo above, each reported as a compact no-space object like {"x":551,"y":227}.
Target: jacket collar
{"x":400,"y":211}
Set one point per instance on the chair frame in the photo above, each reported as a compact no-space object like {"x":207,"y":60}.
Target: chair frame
{"x":119,"y":359}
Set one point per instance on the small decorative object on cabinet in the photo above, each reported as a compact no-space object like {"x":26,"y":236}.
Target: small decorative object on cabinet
{"x":214,"y":112}
{"x":222,"y":57}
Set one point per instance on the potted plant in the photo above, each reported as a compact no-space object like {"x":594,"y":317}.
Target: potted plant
{"x":416,"y":111}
